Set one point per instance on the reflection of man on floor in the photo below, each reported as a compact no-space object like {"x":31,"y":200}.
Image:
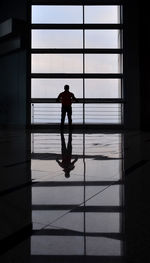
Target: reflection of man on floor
{"x":66,"y":162}
{"x":66,"y":98}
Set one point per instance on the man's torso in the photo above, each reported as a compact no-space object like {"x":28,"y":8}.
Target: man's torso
{"x":66,"y":98}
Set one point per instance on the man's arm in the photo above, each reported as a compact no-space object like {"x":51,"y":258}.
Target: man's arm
{"x":74,"y":98}
{"x":73,"y":162}
{"x":57,"y":160}
{"x":58,"y":98}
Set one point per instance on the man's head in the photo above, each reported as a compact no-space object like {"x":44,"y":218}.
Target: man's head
{"x":66,"y":87}
{"x":67,"y":174}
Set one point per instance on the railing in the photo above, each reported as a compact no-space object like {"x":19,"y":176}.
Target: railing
{"x":92,"y":113}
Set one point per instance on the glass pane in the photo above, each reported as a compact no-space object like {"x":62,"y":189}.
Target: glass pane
{"x":103,"y":113}
{"x":72,"y":221}
{"x":57,"y":245}
{"x":57,"y":39}
{"x":102,"y":63}
{"x":57,"y":63}
{"x":50,"y":88}
{"x":96,"y":145}
{"x":102,"y":14}
{"x":51,"y":113}
{"x":103,"y":222}
{"x":111,"y":196}
{"x":109,"y":170}
{"x":51,"y":143}
{"x":57,"y":195}
{"x":56,"y":14}
{"x":102,"y":39}
{"x":102,"y":88}
{"x":104,"y":246}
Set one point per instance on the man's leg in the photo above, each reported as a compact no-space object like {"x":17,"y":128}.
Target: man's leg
{"x":69,"y":112}
{"x":69,"y":145}
{"x":63,"y":145}
{"x":63,"y":114}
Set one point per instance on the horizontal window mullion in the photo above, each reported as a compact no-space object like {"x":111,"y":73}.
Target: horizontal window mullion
{"x":73,"y":183}
{"x":80,"y":100}
{"x":76,"y":2}
{"x":77,"y":75}
{"x":77,"y":26}
{"x":77,"y":50}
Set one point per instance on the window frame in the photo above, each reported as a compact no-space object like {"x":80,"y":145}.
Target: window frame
{"x":77,"y":51}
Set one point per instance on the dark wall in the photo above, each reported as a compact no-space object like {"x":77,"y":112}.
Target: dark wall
{"x":136,"y":65}
{"x":13,"y":71}
{"x":132,"y":95}
{"x":15,"y":9}
{"x":145,"y":67}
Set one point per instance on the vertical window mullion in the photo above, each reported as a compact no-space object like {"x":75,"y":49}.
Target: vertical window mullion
{"x":83,"y":65}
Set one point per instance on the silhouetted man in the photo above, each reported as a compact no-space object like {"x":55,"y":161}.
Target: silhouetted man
{"x":67,"y":164}
{"x":66,"y":98}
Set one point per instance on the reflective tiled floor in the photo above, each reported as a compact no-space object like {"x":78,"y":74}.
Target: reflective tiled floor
{"x":74,"y":196}
{"x":77,"y":200}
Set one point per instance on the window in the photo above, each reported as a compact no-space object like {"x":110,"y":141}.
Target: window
{"x":78,"y":45}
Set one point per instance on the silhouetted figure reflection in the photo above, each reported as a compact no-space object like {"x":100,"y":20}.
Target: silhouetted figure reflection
{"x":66,"y":162}
{"x":66,"y":98}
